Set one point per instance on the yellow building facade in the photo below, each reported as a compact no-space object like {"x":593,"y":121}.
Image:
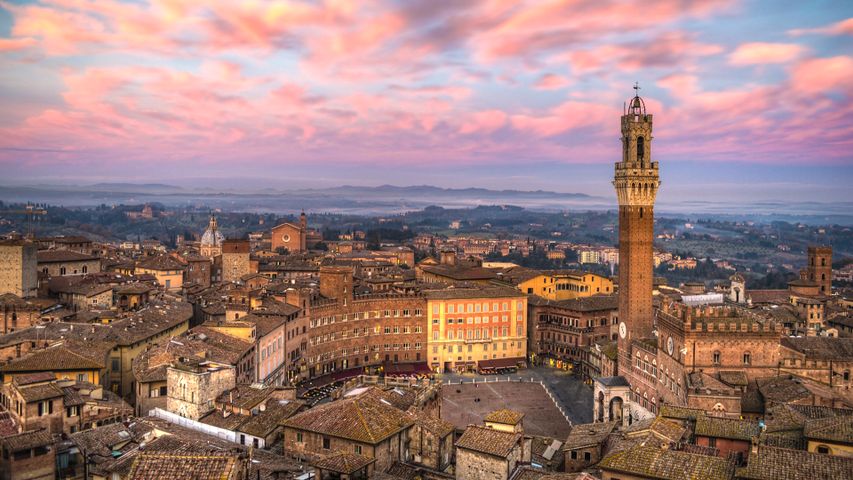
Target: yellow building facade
{"x":566,"y":285}
{"x":470,"y":328}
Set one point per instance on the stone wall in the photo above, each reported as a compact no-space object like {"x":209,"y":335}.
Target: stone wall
{"x":472,"y":465}
{"x":577,"y":460}
{"x":18,"y":269}
{"x":191,"y":392}
{"x":311,"y":446}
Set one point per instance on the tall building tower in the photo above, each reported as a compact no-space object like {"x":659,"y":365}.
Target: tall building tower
{"x":18,"y":268}
{"x":820,"y":268}
{"x":636,"y":181}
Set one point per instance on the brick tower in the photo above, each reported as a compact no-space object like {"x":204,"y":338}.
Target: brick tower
{"x":636,"y":183}
{"x":820,"y":268}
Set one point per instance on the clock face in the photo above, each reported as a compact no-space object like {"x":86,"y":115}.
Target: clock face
{"x":623,"y":330}
{"x":670,"y":345}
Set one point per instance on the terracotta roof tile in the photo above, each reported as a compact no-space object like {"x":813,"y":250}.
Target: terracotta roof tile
{"x":363,"y":418}
{"x":54,"y":358}
{"x":830,"y":429}
{"x":210,"y":466}
{"x":588,"y":434}
{"x":344,"y":463}
{"x":27,"y":440}
{"x":663,"y":464}
{"x":771,"y":463}
{"x":733,"y":429}
{"x":505,"y":416}
{"x":54,"y":256}
{"x":488,"y":440}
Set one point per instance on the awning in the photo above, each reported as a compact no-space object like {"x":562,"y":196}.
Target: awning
{"x":500,"y":362}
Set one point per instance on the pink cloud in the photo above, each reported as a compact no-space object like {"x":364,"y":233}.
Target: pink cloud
{"x":760,"y":53}
{"x":484,"y":122}
{"x":555,"y":25}
{"x":661,"y":51}
{"x":819,"y":75}
{"x":567,"y":116}
{"x":14,"y":44}
{"x":550,"y":81}
{"x":844,"y":27}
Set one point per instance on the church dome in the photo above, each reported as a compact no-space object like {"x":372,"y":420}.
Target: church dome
{"x":212,"y":236}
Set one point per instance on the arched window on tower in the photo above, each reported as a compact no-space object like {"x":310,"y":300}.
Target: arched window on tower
{"x":641,"y":149}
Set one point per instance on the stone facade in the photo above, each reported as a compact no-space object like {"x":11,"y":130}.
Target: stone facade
{"x":193,"y":388}
{"x":57,"y":263}
{"x":16,"y":313}
{"x":199,"y":271}
{"x":235,"y":260}
{"x":430,"y":447}
{"x":820,"y":268}
{"x":484,"y":462}
{"x":18,"y":268}
{"x":28,"y":456}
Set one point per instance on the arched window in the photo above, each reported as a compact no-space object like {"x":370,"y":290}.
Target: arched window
{"x":846,"y":375}
{"x":641,"y":148}
{"x":85,"y":269}
{"x":62,"y":270}
{"x":716,"y":358}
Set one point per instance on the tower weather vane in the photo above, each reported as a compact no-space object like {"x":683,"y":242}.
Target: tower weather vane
{"x":637,"y":88}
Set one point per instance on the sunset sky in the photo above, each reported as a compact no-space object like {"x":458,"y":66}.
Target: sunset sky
{"x":751,"y":98}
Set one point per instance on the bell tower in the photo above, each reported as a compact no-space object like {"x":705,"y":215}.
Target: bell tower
{"x":636,"y":180}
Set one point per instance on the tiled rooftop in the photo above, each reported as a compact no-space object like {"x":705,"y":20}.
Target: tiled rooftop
{"x":771,"y":463}
{"x":663,"y":464}
{"x":588,"y":434}
{"x":344,"y":463}
{"x":211,"y":466}
{"x":56,"y":256}
{"x":681,"y":413}
{"x":27,"y":440}
{"x":504,"y":416}
{"x":830,"y":429}
{"x":54,"y":358}
{"x":730,"y":428}
{"x":363,"y":418}
{"x":488,"y":440}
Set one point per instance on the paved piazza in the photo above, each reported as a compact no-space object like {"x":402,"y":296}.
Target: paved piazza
{"x":542,"y":417}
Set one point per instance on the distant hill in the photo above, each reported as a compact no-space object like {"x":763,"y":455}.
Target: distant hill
{"x":138,"y":187}
{"x":430,"y":190}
